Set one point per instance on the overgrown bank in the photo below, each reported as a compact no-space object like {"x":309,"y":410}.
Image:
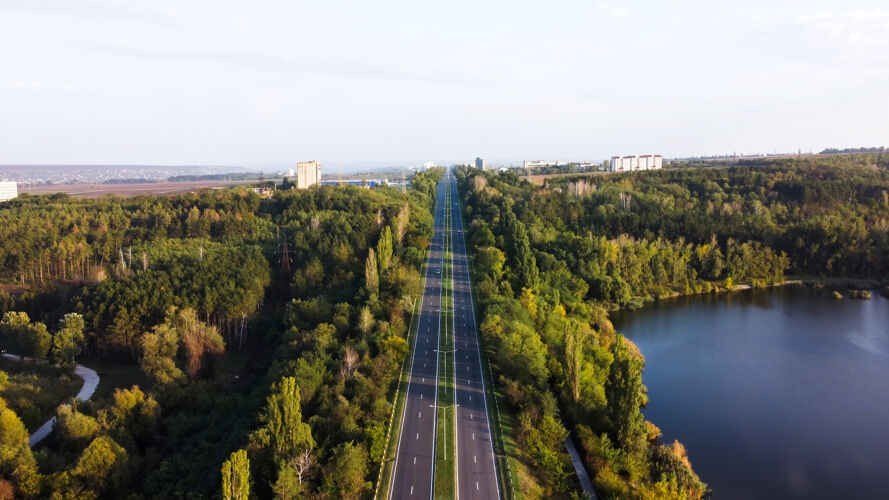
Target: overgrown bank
{"x":550,"y":262}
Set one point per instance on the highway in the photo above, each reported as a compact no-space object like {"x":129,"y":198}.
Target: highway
{"x":413,"y":472}
{"x":476,"y":466}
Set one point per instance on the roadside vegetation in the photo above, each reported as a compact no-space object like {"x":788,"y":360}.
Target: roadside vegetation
{"x":550,"y":263}
{"x":268,"y":337}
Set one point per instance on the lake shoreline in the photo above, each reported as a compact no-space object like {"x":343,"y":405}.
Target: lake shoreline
{"x":809,"y":282}
{"x":776,"y":393}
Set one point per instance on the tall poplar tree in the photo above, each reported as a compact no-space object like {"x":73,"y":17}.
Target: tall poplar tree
{"x":384,"y":249}
{"x":236,"y":477}
{"x":624,"y":392}
{"x":284,"y":430}
{"x":371,"y":278}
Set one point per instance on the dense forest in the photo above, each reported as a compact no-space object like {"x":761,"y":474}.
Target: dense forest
{"x":267,"y":335}
{"x":271,"y":333}
{"x":550,"y":262}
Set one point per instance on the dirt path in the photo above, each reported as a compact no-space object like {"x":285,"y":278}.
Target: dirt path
{"x":90,"y":382}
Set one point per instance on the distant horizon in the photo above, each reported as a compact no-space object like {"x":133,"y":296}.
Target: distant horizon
{"x":356,"y":165}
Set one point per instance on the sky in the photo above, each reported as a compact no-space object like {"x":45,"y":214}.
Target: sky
{"x":256,"y":83}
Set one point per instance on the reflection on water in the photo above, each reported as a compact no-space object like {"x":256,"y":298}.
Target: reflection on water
{"x":780,"y":393}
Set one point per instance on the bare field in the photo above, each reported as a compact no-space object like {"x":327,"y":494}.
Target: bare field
{"x":153,"y":188}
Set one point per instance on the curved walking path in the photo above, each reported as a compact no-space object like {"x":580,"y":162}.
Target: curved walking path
{"x":90,"y":382}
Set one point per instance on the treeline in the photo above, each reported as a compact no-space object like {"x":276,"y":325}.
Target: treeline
{"x":324,"y":280}
{"x":224,"y":283}
{"x":829,"y":151}
{"x":557,"y":356}
{"x":50,"y":238}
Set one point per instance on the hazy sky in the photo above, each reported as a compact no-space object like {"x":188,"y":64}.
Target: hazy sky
{"x":269,"y":82}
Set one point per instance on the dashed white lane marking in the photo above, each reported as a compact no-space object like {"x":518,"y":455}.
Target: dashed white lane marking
{"x":415,"y":460}
{"x":474,"y":459}
{"x":419,"y":414}
{"x":473,"y":436}
{"x":412,"y":490}
{"x":418,"y":436}
{"x":476,"y":486}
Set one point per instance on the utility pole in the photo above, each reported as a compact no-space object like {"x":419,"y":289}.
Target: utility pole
{"x":282,"y":250}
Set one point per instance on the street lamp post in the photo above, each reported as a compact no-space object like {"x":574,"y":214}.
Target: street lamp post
{"x":445,"y":407}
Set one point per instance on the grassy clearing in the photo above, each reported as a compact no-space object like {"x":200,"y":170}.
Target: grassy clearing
{"x":33,"y":391}
{"x":114,"y":375}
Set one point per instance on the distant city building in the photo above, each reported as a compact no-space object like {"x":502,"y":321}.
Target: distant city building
{"x":308,"y":173}
{"x":291,"y":172}
{"x":264,"y":192}
{"x":634,"y":163}
{"x":8,"y":191}
{"x":367,"y":183}
{"x":480,"y":163}
{"x":531,"y":164}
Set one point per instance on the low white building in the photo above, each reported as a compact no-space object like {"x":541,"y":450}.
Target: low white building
{"x":8,"y":191}
{"x":634,"y":163}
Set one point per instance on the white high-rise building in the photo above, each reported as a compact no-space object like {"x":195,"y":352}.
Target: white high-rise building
{"x":633,"y":163}
{"x":308,"y":173}
{"x":480,"y":163}
{"x":8,"y":191}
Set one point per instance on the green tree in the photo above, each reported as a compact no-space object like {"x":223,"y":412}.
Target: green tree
{"x":522,"y":259}
{"x":75,"y":429}
{"x":35,"y":341}
{"x":283,"y":429}
{"x":365,"y":320}
{"x":371,"y":273}
{"x":67,"y":340}
{"x":103,"y":464}
{"x":384,"y":249}
{"x":236,"y":477}
{"x":16,"y":461}
{"x":625,"y":395}
{"x":159,"y":349}
{"x":348,"y":469}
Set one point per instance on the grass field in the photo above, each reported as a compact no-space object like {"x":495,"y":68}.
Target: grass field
{"x":135,"y":189}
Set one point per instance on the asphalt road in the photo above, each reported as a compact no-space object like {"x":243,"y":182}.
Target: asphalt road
{"x":476,"y":466}
{"x":413,"y":473}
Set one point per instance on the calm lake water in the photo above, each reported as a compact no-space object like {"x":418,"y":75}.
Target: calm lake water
{"x":780,"y":393}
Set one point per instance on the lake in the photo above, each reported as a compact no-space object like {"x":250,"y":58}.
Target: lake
{"x":777,"y":393}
